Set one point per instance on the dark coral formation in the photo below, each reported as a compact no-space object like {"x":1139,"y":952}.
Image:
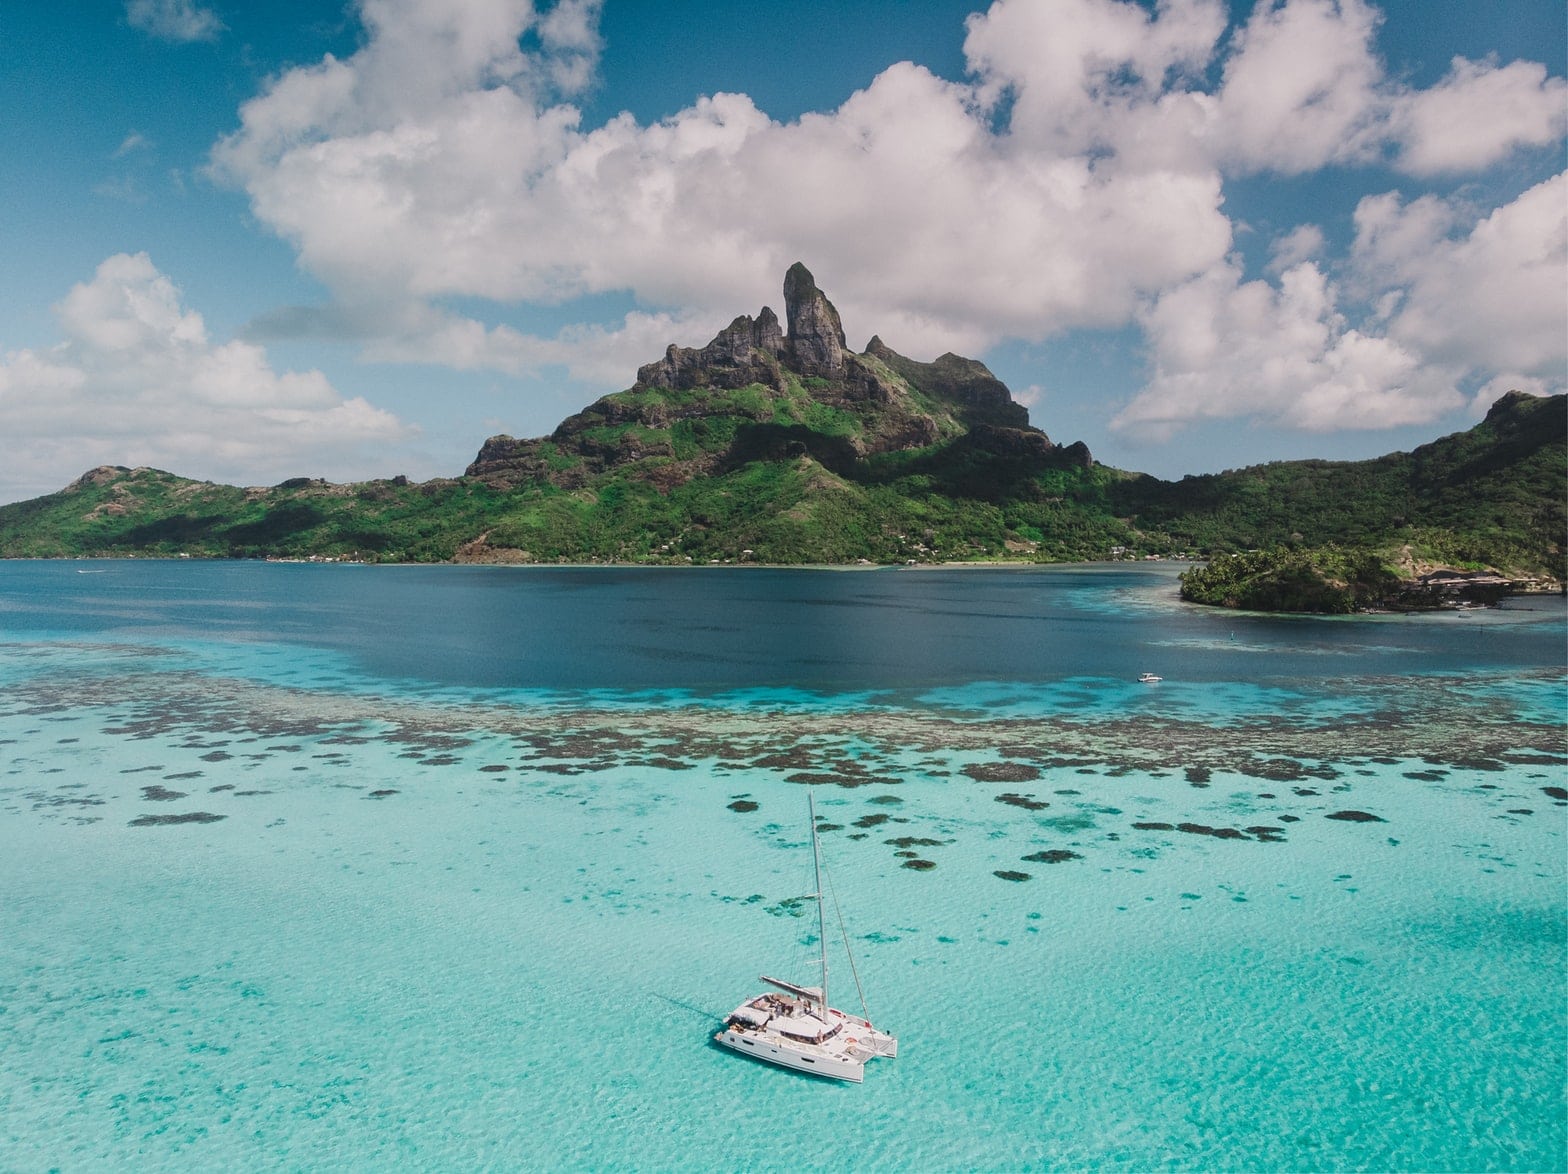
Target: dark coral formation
{"x":1443,"y":723}
{"x":1027,"y":802}
{"x":1002,"y":772}
{"x":1053,"y":856}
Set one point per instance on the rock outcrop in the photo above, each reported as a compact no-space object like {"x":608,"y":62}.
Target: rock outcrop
{"x":980,"y":396}
{"x":746,"y":351}
{"x":504,"y":460}
{"x":102,"y":475}
{"x":816,"y":336}
{"x":896,"y":404}
{"x":752,"y":350}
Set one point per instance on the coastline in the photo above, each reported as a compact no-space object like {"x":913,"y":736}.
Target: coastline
{"x":1439,"y":603}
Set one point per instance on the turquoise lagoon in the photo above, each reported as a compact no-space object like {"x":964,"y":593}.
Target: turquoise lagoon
{"x":332,"y":867}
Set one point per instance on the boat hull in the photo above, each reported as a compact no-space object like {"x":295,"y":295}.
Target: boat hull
{"x":819,"y":1063}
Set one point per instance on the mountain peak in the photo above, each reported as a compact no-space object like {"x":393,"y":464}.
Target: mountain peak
{"x":1516,"y":403}
{"x":753,"y":350}
{"x":757,"y":392}
{"x":816,"y":336}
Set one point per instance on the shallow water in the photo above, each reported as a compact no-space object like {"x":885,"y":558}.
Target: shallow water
{"x":346,"y":866}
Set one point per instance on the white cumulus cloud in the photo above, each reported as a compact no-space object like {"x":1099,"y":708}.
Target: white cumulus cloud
{"x":136,"y":380}
{"x":1494,"y":296}
{"x":1301,"y":88}
{"x":1451,"y":304}
{"x":173,"y":20}
{"x":1478,"y":114}
{"x":1226,"y":348}
{"x":1075,"y":178}
{"x":450,"y":174}
{"x":1302,"y":243}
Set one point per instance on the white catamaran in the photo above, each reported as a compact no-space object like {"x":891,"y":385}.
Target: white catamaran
{"x":798,"y":1029}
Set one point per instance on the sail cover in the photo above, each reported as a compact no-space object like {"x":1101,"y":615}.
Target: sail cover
{"x":805,"y":992}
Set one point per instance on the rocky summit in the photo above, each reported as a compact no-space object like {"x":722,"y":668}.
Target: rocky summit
{"x":756,"y":350}
{"x":799,"y":392}
{"x":816,"y":336}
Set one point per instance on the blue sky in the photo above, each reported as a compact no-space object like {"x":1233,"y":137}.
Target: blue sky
{"x":245,"y":242}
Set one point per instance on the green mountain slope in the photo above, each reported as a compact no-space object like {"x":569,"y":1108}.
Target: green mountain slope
{"x":1494,"y":494}
{"x":775,"y":443}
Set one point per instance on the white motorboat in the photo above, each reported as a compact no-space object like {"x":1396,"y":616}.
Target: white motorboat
{"x":795,"y":1027}
{"x":1149,"y":679}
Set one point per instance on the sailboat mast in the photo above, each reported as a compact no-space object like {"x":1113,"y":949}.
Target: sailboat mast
{"x":822,"y":921}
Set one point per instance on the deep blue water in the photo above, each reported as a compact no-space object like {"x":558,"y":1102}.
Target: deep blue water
{"x":717,"y":630}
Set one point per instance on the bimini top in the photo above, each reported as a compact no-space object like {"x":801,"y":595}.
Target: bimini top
{"x":751,"y":1015}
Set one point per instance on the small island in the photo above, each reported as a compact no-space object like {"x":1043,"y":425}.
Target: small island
{"x":1337,"y":581}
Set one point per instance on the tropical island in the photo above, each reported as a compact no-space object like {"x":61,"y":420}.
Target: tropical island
{"x":777,"y":444}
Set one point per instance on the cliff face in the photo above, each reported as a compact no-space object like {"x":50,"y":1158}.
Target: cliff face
{"x":756,"y":350}
{"x":748,"y":350}
{"x":816,"y":336}
{"x":776,"y":391}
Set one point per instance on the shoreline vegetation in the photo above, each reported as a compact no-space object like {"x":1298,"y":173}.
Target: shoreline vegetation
{"x":1336,"y":581}
{"x":784,"y":448}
